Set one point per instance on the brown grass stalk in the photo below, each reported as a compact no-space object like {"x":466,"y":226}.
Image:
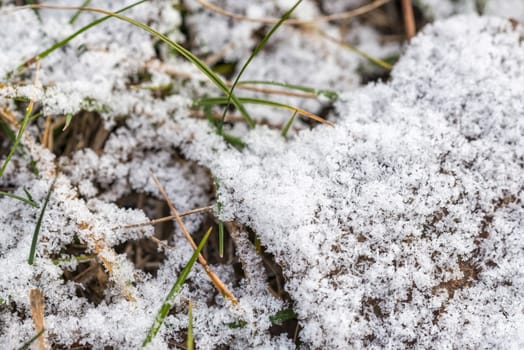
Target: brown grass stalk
{"x":219,"y":285}
{"x":36,"y":298}
{"x":334,"y":17}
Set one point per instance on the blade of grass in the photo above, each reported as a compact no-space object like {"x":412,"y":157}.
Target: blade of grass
{"x":288,"y":125}
{"x":39,"y":225}
{"x":170,"y":298}
{"x":27,"y":200}
{"x":257,"y":49}
{"x":177,"y":47}
{"x":78,"y":13}
{"x":220,"y":222}
{"x":190,"y":339}
{"x":25,"y":122}
{"x":63,"y":42}
{"x":28,"y":343}
{"x":330,"y":94}
{"x":210,"y":101}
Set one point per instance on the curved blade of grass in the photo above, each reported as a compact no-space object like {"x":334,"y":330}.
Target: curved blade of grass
{"x":27,"y":344}
{"x":32,"y":252}
{"x":175,"y":46}
{"x":61,"y":43}
{"x":25,"y":122}
{"x":77,"y":13}
{"x":288,"y":125}
{"x":168,"y":303}
{"x":27,"y":200}
{"x":257,"y":49}
{"x":210,"y":101}
{"x":190,"y":339}
{"x":330,"y":94}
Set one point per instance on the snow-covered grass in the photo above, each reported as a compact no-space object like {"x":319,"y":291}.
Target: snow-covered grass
{"x":400,"y":227}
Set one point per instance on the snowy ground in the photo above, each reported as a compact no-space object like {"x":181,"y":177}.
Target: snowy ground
{"x":400,"y":227}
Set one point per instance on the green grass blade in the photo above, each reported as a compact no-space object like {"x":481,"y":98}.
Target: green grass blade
{"x":168,"y":303}
{"x":63,"y":42}
{"x":211,"y":101}
{"x":220,"y":238}
{"x":257,"y":49}
{"x":27,"y":117}
{"x":288,"y":125}
{"x":27,"y":200}
{"x":77,"y":13}
{"x":190,"y":339}
{"x":32,"y":252}
{"x":220,"y":222}
{"x":27,"y":344}
{"x":330,"y":94}
{"x":177,"y":47}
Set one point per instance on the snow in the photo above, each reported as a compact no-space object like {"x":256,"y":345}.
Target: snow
{"x":371,"y":219}
{"x":400,"y":227}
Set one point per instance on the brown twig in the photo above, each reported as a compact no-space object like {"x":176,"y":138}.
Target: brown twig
{"x":409,"y":18}
{"x":219,"y":285}
{"x":335,"y":17}
{"x":165,"y":218}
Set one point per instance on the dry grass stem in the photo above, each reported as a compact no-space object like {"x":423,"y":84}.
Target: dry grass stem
{"x":166,"y":218}
{"x":47,"y":132}
{"x":409,"y":18}
{"x":219,"y":285}
{"x":334,"y":17}
{"x":36,"y":297}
